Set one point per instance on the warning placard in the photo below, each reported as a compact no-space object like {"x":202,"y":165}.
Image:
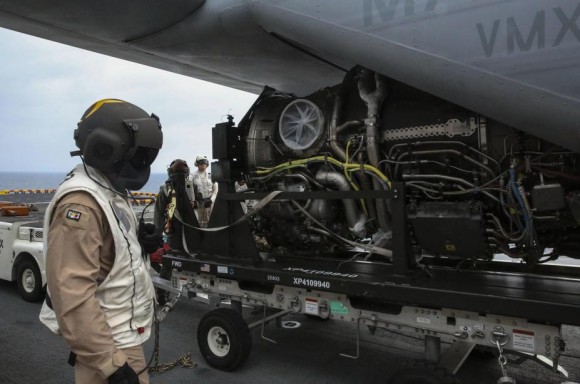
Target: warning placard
{"x":524,"y":340}
{"x":311,"y":306}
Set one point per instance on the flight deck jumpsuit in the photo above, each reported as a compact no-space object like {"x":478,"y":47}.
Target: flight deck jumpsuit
{"x":98,"y":282}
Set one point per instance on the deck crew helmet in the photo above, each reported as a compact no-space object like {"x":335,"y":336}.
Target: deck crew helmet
{"x":119,"y":139}
{"x":201,"y":160}
{"x":178,"y":166}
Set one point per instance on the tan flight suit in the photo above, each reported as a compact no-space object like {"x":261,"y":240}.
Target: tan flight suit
{"x":79,"y":256}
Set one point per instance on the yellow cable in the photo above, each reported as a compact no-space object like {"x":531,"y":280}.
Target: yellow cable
{"x":349,"y":178}
{"x":302,"y":162}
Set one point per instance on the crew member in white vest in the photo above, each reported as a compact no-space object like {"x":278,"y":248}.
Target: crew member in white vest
{"x":100,"y":294}
{"x":208,"y":190}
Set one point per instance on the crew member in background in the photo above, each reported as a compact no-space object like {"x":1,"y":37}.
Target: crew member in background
{"x":100,"y":294}
{"x":168,"y":201}
{"x":176,"y":191}
{"x":208,"y":190}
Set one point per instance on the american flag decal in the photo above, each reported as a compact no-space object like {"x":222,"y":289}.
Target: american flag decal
{"x":73,"y":215}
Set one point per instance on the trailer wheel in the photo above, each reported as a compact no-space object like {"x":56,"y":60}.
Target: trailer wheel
{"x":424,"y":373}
{"x":224,"y":339}
{"x":29,"y":281}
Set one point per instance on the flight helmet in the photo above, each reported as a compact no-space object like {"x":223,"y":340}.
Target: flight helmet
{"x":178,"y":166}
{"x":119,"y":139}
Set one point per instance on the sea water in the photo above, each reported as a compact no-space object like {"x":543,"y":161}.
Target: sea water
{"x":51,"y":180}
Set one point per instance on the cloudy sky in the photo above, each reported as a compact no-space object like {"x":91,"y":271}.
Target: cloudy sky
{"x":45,"y":87}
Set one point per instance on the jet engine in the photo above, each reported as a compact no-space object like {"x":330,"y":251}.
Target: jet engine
{"x":475,"y":188}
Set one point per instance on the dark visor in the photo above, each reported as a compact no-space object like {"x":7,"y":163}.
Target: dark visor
{"x":146,"y":132}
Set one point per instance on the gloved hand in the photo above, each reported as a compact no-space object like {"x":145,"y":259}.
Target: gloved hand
{"x":124,"y":375}
{"x":207,"y":203}
{"x":150,"y":241}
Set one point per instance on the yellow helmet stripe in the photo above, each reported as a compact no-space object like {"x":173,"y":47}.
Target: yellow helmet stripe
{"x":100,"y":103}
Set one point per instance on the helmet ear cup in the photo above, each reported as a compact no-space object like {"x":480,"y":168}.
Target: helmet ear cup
{"x":104,"y":149}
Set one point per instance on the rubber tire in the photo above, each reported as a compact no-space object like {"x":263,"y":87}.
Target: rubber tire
{"x":423,"y":373}
{"x":29,"y":267}
{"x":237,"y":334}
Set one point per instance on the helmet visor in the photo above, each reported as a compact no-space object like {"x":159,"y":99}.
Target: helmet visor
{"x":146,"y":132}
{"x":143,"y":157}
{"x":147,"y":140}
{"x":131,"y":178}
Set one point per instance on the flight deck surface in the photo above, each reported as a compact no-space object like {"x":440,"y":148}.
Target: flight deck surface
{"x":305,"y":354}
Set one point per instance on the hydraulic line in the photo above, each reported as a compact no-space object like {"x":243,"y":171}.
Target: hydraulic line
{"x":322,"y":159}
{"x":365,"y":183}
{"x":454,"y":179}
{"x":445,"y":151}
{"x":516,"y":192}
{"x":445,"y":142}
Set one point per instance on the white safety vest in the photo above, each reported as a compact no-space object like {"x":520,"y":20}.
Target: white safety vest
{"x":203,"y":183}
{"x":127,"y":294}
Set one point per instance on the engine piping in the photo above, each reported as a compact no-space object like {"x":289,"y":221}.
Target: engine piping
{"x":355,"y":218}
{"x":374,"y":99}
{"x":333,"y":131}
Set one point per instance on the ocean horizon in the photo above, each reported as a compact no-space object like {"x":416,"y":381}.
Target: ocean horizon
{"x":51,"y":180}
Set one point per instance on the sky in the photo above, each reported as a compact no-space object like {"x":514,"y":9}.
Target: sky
{"x":45,"y":87}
